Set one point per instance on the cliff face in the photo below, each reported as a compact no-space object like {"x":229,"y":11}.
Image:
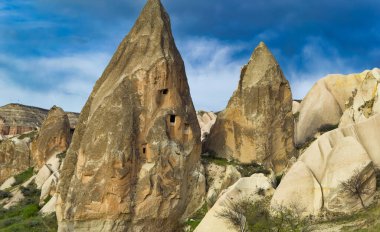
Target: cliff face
{"x":257,"y":125}
{"x":53,"y":138}
{"x":133,"y":161}
{"x":17,"y":119}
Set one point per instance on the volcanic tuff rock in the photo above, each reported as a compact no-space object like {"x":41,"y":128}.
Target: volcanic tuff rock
{"x":206,"y":120}
{"x":257,"y":125}
{"x":218,"y":179}
{"x":333,"y":158}
{"x":18,"y":119}
{"x":14,"y":157}
{"x":53,"y":138}
{"x":364,"y":102}
{"x":133,"y":164}
{"x":322,"y":108}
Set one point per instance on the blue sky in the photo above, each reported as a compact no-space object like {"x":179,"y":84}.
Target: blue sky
{"x":53,"y":51}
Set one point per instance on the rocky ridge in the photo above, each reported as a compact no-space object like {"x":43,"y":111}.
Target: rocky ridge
{"x":17,"y":119}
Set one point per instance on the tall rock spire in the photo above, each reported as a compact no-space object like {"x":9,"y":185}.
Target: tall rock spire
{"x":257,"y":125}
{"x":132,"y":164}
{"x":53,"y":138}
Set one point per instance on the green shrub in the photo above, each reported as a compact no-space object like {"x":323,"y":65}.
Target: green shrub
{"x":29,"y":211}
{"x":247,"y":170}
{"x":4,"y":194}
{"x":25,"y":216}
{"x":30,"y":135}
{"x":196,"y":218}
{"x":61,"y":156}
{"x":24,"y":176}
{"x":247,"y":215}
{"x":278,"y":179}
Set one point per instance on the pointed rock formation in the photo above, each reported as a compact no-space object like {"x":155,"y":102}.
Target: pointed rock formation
{"x":133,"y":161}
{"x":53,"y":138}
{"x":257,"y":125}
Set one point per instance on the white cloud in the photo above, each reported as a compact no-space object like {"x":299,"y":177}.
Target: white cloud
{"x":319,"y":59}
{"x":212,"y":68}
{"x":69,"y":79}
{"x":212,"y":71}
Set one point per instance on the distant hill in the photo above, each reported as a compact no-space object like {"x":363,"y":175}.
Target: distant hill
{"x":18,"y":118}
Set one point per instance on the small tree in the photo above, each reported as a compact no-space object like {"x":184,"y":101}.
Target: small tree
{"x":234,"y":212}
{"x":251,"y":216}
{"x":356,"y":186}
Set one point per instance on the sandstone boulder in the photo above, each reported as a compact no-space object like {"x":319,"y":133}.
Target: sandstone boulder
{"x":133,"y":159}
{"x":53,"y":138}
{"x":333,"y":158}
{"x":219,"y":178}
{"x":300,"y":187}
{"x":206,"y":120}
{"x":257,"y":125}
{"x":296,"y":107}
{"x":364,"y":101}
{"x":8,"y":183}
{"x":244,"y":188}
{"x":322,"y":108}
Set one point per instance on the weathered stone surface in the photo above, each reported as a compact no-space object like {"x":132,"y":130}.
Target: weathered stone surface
{"x":333,"y":158}
{"x":322,"y":108}
{"x":14,"y":157}
{"x":244,"y":188}
{"x":53,"y":138}
{"x":257,"y":125}
{"x":17,"y":119}
{"x":299,"y":187}
{"x":219,"y":178}
{"x":206,"y":120}
{"x":347,"y":157}
{"x":17,"y":195}
{"x":8,"y":183}
{"x":364,"y":101}
{"x":296,"y":107}
{"x":131,"y":163}
{"x":49,"y":207}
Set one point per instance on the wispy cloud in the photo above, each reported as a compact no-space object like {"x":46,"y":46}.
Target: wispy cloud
{"x":212,"y":70}
{"x":65,"y":81}
{"x":316,"y":60}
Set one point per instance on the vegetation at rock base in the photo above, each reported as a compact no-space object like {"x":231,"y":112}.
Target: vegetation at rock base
{"x":246,"y":215}
{"x":24,"y":176}
{"x":245,"y":170}
{"x":30,"y":135}
{"x":356,"y":187}
{"x":5,"y":194}
{"x":25,"y":216}
{"x":196,"y":218}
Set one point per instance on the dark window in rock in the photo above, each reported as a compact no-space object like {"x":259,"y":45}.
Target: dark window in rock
{"x":164,"y":91}
{"x":144,"y":149}
{"x":172,"y":118}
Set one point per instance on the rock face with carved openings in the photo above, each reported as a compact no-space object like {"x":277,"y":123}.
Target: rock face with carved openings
{"x":133,"y":164}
